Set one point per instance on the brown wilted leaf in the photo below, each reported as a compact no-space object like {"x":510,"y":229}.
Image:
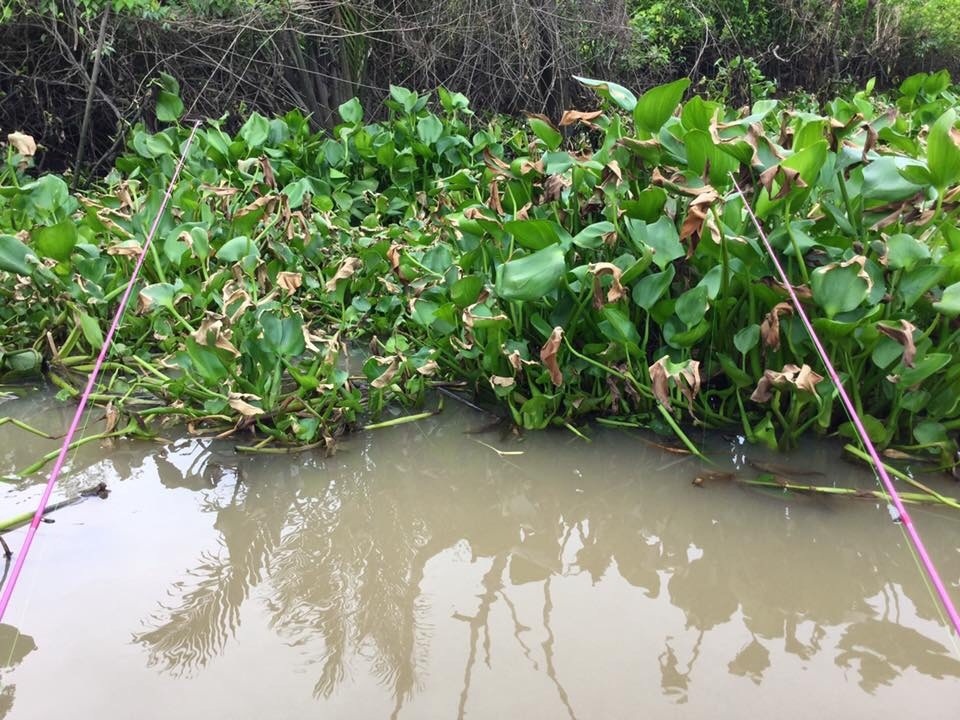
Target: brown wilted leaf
{"x":527,"y":166}
{"x":384,"y":379}
{"x":548,"y":355}
{"x":692,"y":227}
{"x":267,"y":172}
{"x":393,"y":256}
{"x":289,"y":281}
{"x":238,"y":401}
{"x":516,"y":361}
{"x":498,"y":166}
{"x":770,"y":327}
{"x":553,"y":188}
{"x":686,"y":377}
{"x":616,"y":291}
{"x":870,"y":143}
{"x":211,"y":333}
{"x":347,"y":268}
{"x":800,"y":378}
{"x":612,"y":174}
{"x":501,"y":381}
{"x":221,"y":191}
{"x":787,"y":178}
{"x":571,"y":117}
{"x":235,"y":299}
{"x":660,"y":383}
{"x":111,"y":417}
{"x":429,"y":368}
{"x":266,"y":202}
{"x":904,"y":336}
{"x":25,"y":145}
{"x":494,"y":201}
{"x":127,"y":248}
{"x":689,"y":381}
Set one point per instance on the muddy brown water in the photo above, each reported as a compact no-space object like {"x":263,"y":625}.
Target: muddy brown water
{"x":419,"y":573}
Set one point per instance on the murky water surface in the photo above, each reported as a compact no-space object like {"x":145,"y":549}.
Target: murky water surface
{"x":419,"y":573}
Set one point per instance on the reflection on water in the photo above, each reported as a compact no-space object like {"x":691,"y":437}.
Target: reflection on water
{"x":571,"y":580}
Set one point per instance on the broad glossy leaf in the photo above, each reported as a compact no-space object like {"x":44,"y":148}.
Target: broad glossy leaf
{"x":943,"y":153}
{"x":90,"y":327}
{"x":882,"y":179}
{"x":925,"y":367}
{"x":591,"y":237}
{"x":169,"y":104}
{"x":692,"y":305}
{"x":905,"y":251}
{"x":617,"y":327}
{"x":429,"y":129}
{"x":747,"y":338}
{"x":466,"y":290}
{"x":930,"y":432}
{"x":657,"y":104}
{"x":949,"y":304}
{"x":284,"y":336}
{"x":650,"y":288}
{"x":237,"y":248}
{"x":838,"y":289}
{"x":546,"y":132}
{"x":255,"y":131}
{"x":15,"y":257}
{"x":406,"y":98}
{"x":611,"y":91}
{"x":533,"y":234}
{"x":531,"y":277}
{"x":351,"y":111}
{"x":661,"y":237}
{"x":56,"y":241}
{"x":914,"y":283}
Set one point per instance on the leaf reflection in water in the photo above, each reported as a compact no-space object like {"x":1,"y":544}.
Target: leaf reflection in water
{"x":339,"y":551}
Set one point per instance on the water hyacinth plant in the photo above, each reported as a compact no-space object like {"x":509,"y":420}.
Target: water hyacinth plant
{"x":595,"y":265}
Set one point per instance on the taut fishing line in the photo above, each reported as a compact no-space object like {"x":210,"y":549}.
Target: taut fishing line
{"x":903,"y":515}
{"x":91,"y":382}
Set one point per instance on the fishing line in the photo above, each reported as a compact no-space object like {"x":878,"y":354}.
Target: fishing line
{"x":903,"y":515}
{"x":91,"y":382}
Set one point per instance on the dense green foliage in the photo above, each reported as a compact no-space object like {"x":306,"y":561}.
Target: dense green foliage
{"x":598,"y":266}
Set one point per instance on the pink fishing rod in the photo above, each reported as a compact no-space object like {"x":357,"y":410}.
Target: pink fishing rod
{"x":904,"y":516}
{"x":91,"y":383}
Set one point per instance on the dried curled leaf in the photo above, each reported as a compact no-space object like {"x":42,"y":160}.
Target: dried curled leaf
{"x":571,"y":117}
{"x":686,"y":376}
{"x":25,"y":145}
{"x":548,"y":355}
{"x":904,"y":336}
{"x":238,"y":401}
{"x":616,"y":291}
{"x":799,"y":378}
{"x":787,"y":178}
{"x":770,"y":327}
{"x":697,"y":211}
{"x":346,"y":270}
{"x":387,"y":375}
{"x":212,"y":334}
{"x":429,"y":368}
{"x":289,"y":281}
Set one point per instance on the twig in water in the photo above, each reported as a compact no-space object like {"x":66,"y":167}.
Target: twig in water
{"x":501,"y":453}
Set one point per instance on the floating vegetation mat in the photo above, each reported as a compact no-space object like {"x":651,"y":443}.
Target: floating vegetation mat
{"x":595,"y":265}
